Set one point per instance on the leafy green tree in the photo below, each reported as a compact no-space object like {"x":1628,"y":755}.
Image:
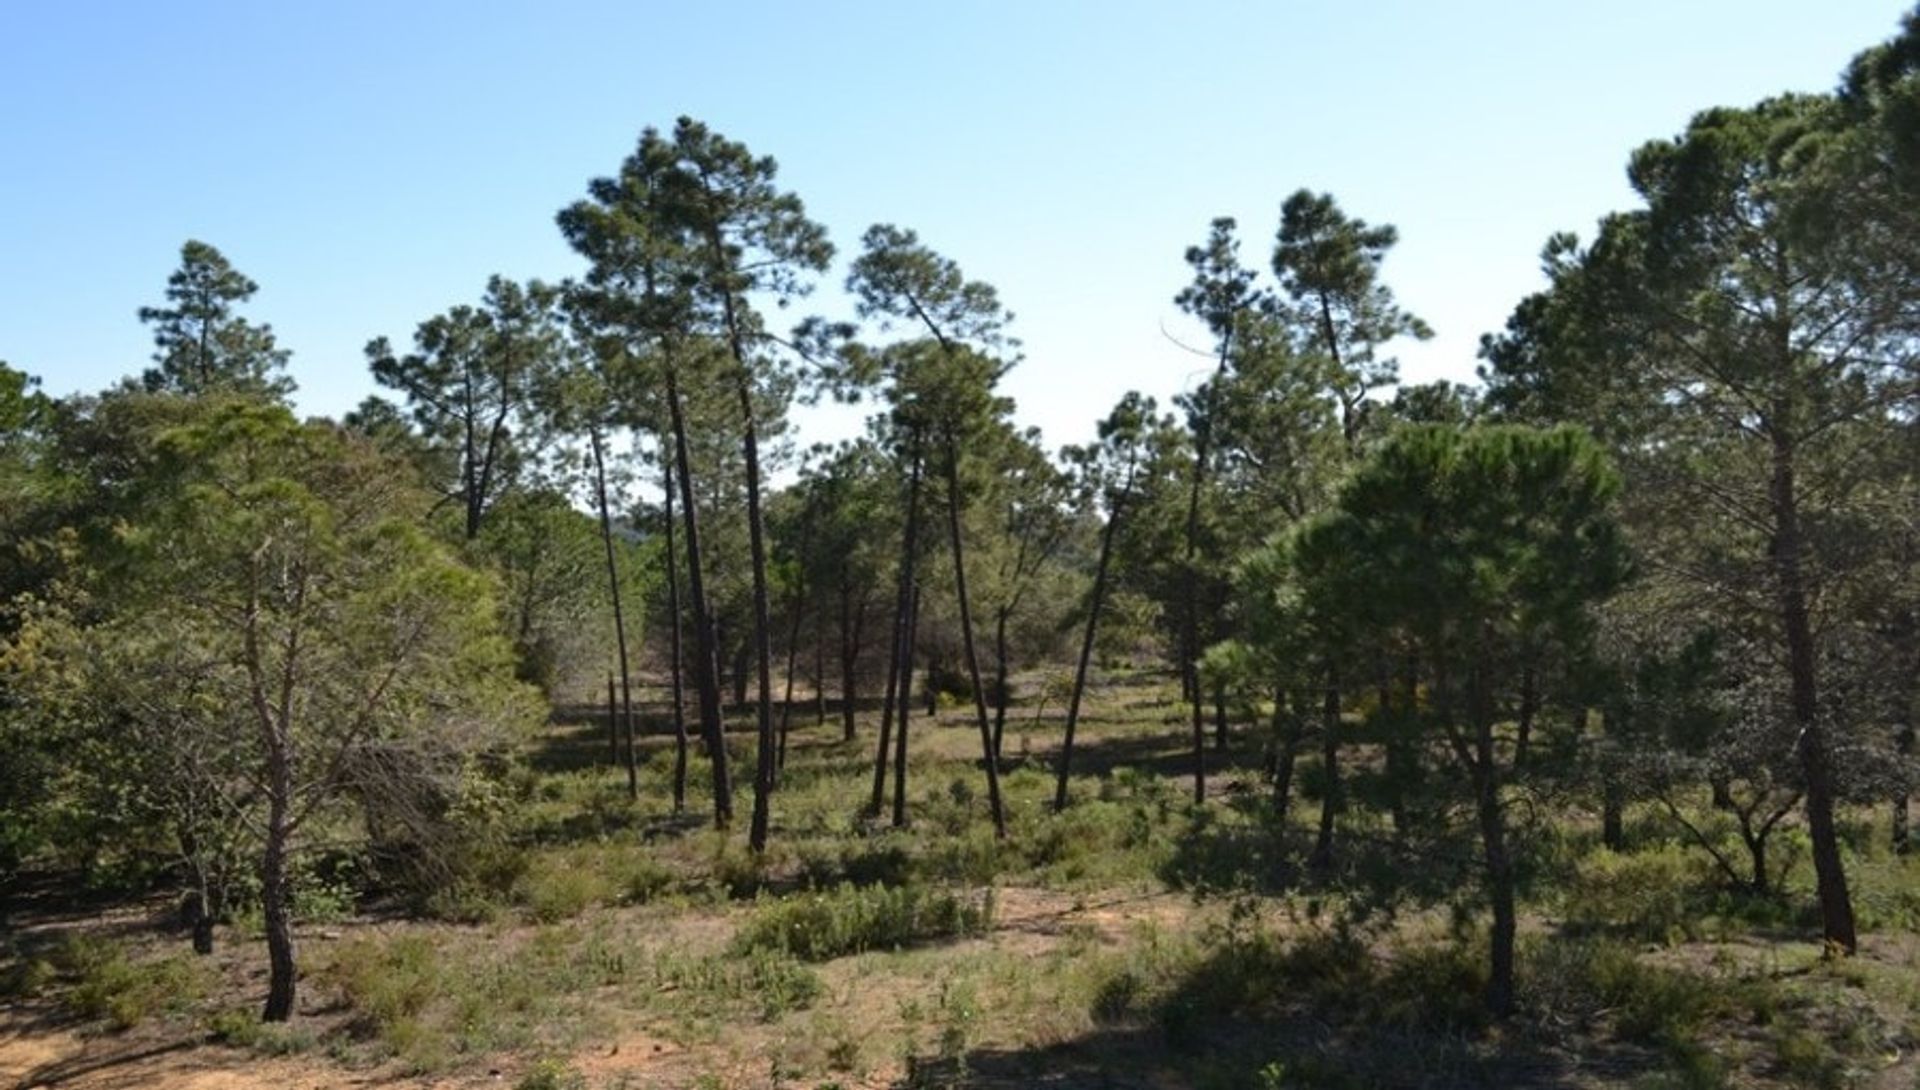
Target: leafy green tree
{"x":1328,"y":264}
{"x":747,"y":239}
{"x":200,"y":344}
{"x":1473,"y":546}
{"x":471,"y":382}
{"x":1748,"y":335}
{"x":281,"y":640}
{"x":1106,"y":472}
{"x":943,"y":396}
{"x":1222,"y":295}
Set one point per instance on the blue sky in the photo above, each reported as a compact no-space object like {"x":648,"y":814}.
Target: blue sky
{"x":371,"y":164}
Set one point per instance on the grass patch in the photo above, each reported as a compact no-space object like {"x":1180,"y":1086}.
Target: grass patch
{"x":850,"y":919}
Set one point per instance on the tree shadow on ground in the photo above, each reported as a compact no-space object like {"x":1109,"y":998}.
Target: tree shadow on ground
{"x":1299,"y":1048}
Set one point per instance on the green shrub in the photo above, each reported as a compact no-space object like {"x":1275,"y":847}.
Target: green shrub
{"x":770,"y":982}
{"x":110,"y":986}
{"x":551,"y":1075}
{"x":387,"y":984}
{"x":852,"y":919}
{"x":1654,"y":895}
{"x":560,"y":887}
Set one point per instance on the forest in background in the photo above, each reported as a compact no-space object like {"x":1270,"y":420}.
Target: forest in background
{"x":1623,"y":638}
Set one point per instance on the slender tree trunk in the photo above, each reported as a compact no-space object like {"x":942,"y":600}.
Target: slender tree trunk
{"x":706,"y":655}
{"x":613,"y":723}
{"x":796,"y":608}
{"x":1094,"y":604}
{"x":1500,"y":887}
{"x":885,"y":751}
{"x":1613,"y":802}
{"x":987,"y":751}
{"x":619,"y":615}
{"x":1529,"y":707}
{"x":1330,"y":803}
{"x":1761,"y":882}
{"x":1286,"y":731}
{"x":1190,"y":611}
{"x":900,"y":654}
{"x":200,"y":907}
{"x":1836,"y":905}
{"x":819,"y":670}
{"x":1904,"y":733}
{"x":786,"y":705}
{"x":1902,"y":837}
{"x":849,"y":658}
{"x":1484,"y":768}
{"x":999,"y":680}
{"x":906,"y":702}
{"x":1219,"y":717}
{"x":674,"y":651}
{"x":274,"y":909}
{"x":1400,"y":756}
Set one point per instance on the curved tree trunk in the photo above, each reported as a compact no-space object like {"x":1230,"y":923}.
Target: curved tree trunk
{"x":1098,"y":599}
{"x":1836,"y":905}
{"x":619,"y":615}
{"x":987,"y":750}
{"x":906,"y":703}
{"x":674,"y":651}
{"x":706,"y":656}
{"x":900,"y":654}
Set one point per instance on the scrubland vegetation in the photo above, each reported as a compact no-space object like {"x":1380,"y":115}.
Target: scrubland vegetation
{"x":1556,"y":730}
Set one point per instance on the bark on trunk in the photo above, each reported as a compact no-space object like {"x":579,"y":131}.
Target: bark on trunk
{"x":999,"y":681}
{"x":1322,"y":857}
{"x":1097,"y":600}
{"x":1836,"y":905}
{"x":988,"y":752}
{"x":619,"y":616}
{"x":900,"y":654}
{"x":705,"y":657}
{"x":674,"y":653}
{"x":906,"y":702}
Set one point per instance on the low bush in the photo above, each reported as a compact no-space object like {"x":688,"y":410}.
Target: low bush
{"x":851,"y":919}
{"x":108,"y":985}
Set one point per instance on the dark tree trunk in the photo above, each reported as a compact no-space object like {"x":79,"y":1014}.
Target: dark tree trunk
{"x":1836,"y":905}
{"x":613,"y":722}
{"x":1484,"y":766}
{"x":987,"y":751}
{"x":900,"y":653}
{"x":706,"y":655}
{"x":1500,"y":885}
{"x":1219,"y":717}
{"x":906,"y":701}
{"x":1529,"y":707}
{"x":999,"y":680}
{"x":1400,"y":755}
{"x":1286,"y":736}
{"x":1094,"y":604}
{"x":1190,"y":603}
{"x":619,"y":616}
{"x":819,"y":670}
{"x":786,"y":704}
{"x":1330,"y":802}
{"x":1902,"y":837}
{"x":675,"y":652}
{"x":850,"y":631}
{"x":740,"y":673}
{"x":762,"y":624}
{"x":274,"y":910}
{"x":1613,"y":795}
{"x":1904,"y":739}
